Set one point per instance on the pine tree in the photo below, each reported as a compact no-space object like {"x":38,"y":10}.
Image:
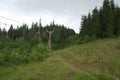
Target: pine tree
{"x":89,"y":25}
{"x":0,"y":33}
{"x":4,"y":33}
{"x":117,"y":21}
{"x":10,"y":32}
{"x":96,"y":24}
{"x":83,"y":30}
{"x":106,"y":19}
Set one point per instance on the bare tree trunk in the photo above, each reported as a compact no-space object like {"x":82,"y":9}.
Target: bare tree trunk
{"x":49,"y":40}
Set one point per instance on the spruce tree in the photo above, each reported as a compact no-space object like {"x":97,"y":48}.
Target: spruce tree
{"x":10,"y":32}
{"x":95,"y":23}
{"x":83,"y":30}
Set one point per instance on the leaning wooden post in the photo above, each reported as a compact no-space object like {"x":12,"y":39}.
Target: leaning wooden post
{"x":49,"y":40}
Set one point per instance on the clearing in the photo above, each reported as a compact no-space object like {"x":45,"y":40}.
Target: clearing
{"x":96,"y":60}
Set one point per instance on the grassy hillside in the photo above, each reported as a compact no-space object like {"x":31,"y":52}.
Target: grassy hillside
{"x":97,"y":60}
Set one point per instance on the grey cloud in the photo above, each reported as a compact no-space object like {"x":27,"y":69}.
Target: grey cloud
{"x":72,"y":8}
{"x":57,"y":6}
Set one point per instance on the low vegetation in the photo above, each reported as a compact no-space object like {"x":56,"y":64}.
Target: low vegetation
{"x":21,"y":52}
{"x":98,"y":60}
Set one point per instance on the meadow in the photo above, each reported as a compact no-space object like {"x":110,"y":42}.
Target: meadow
{"x":95,"y":60}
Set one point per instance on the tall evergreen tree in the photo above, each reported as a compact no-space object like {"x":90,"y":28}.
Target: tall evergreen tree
{"x":83,"y":30}
{"x":89,"y":25}
{"x":10,"y":32}
{"x":96,"y":23}
{"x":107,"y":19}
{"x":0,"y":33}
{"x":117,"y":21}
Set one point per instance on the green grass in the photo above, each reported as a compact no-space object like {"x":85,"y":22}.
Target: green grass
{"x":97,"y":60}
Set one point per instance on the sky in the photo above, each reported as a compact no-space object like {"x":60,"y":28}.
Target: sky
{"x":67,"y":12}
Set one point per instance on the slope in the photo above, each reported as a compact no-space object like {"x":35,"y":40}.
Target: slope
{"x":97,"y":60}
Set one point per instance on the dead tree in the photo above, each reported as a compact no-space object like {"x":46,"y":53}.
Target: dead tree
{"x":49,"y":39}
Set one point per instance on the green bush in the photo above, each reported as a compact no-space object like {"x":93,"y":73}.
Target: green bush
{"x":75,"y":39}
{"x":86,"y":38}
{"x":21,"y":52}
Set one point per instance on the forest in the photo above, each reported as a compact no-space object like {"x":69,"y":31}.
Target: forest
{"x":91,"y":54}
{"x":23,"y":45}
{"x":103,"y":22}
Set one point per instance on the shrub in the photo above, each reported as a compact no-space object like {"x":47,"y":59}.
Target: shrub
{"x":86,"y":38}
{"x":21,"y":52}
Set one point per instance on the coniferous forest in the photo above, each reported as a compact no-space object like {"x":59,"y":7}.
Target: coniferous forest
{"x":103,"y":22}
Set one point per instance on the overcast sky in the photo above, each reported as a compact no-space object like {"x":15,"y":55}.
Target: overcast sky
{"x":67,"y":12}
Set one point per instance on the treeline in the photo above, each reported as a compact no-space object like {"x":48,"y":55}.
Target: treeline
{"x":103,"y":22}
{"x":24,"y":45}
{"x":61,"y":33}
